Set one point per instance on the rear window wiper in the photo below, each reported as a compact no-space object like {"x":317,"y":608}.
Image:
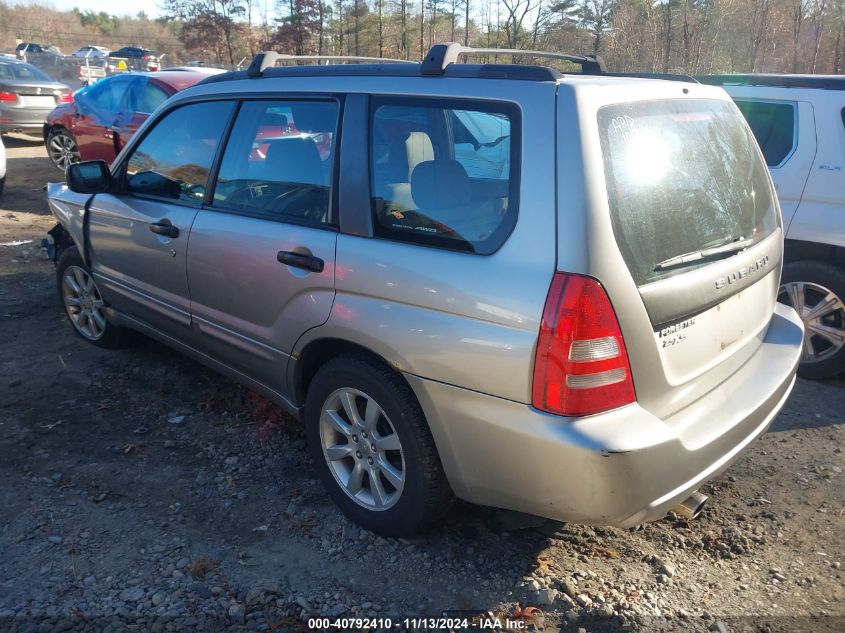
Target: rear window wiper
{"x":732,"y":245}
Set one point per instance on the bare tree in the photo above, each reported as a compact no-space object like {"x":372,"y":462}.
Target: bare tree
{"x":515,"y":14}
{"x":466,"y":22}
{"x":798,"y":11}
{"x":818,"y":23}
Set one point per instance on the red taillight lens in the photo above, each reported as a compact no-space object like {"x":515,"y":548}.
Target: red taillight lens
{"x":146,"y":56}
{"x":581,"y":365}
{"x":8,"y":96}
{"x":65,"y":97}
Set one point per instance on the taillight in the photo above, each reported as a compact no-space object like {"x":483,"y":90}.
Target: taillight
{"x":8,"y":96}
{"x":581,"y":365}
{"x":65,"y":97}
{"x":146,"y":56}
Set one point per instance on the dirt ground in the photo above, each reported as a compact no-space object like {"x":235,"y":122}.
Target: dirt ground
{"x":139,"y":491}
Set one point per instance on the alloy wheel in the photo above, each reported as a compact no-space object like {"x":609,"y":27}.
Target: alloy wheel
{"x":83,"y":303}
{"x":362,"y":449}
{"x":823,"y":314}
{"x":63,"y":150}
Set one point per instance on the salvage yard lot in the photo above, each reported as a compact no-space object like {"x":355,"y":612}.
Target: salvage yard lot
{"x":138,"y":487}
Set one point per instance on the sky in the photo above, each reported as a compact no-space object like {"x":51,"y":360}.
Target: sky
{"x":150,"y":7}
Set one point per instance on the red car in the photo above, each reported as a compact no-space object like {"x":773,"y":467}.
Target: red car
{"x":105,"y":115}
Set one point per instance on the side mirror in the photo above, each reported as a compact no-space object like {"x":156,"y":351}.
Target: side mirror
{"x":92,"y":176}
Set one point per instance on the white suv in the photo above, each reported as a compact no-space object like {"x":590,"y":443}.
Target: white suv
{"x":799,"y":122}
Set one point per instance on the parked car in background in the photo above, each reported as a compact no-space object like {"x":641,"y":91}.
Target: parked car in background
{"x":25,"y":49}
{"x":50,"y":60}
{"x":27,"y":96}
{"x":205,"y":70}
{"x":2,"y":165}
{"x":104,"y":115}
{"x":451,"y":299}
{"x":91,"y":70}
{"x":91,"y":51}
{"x":799,"y":122}
{"x":137,"y":58}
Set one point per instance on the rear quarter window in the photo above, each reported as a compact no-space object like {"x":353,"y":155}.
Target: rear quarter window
{"x":445,"y":173}
{"x":682,"y":176}
{"x":774,"y":125}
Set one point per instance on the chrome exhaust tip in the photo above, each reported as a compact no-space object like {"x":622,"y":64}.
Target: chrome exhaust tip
{"x":692,"y":506}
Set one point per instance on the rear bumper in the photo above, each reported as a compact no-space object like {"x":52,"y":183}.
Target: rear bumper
{"x":619,"y":468}
{"x":26,"y":119}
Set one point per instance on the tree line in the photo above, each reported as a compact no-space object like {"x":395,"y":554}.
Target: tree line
{"x":686,"y":36}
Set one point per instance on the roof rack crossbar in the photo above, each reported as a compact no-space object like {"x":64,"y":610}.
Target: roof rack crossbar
{"x":268,"y":59}
{"x":441,"y":55}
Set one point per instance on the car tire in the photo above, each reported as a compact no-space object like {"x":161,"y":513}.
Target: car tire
{"x":82,"y":303}
{"x":400,"y":488}
{"x":62,"y":148}
{"x":819,"y":290}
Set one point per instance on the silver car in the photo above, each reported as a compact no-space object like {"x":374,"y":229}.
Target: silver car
{"x":27,"y":96}
{"x":552,"y":293}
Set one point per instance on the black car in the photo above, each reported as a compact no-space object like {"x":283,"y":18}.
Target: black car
{"x":28,"y":48}
{"x":137,"y":58}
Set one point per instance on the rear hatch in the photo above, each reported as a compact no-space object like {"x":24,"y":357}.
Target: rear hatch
{"x":695,"y":220}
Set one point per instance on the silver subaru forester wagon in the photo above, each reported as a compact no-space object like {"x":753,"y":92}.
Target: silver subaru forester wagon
{"x":552,"y":293}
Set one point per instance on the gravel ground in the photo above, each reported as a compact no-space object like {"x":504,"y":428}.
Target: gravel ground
{"x":142,"y":492}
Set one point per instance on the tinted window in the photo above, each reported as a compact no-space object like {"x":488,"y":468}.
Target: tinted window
{"x":278,"y":162}
{"x":445,"y":174}
{"x":682,"y":176}
{"x":174,"y":158}
{"x":773,"y":125}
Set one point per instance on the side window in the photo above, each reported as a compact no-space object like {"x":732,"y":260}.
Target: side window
{"x":445,"y":173}
{"x":773,"y":125}
{"x":145,"y":96}
{"x":107,"y":95}
{"x":278,"y":161}
{"x":173,"y":160}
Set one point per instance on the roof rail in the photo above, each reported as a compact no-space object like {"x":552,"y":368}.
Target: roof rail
{"x":267,"y":59}
{"x":822,"y":82}
{"x":663,"y":76}
{"x":441,"y":55}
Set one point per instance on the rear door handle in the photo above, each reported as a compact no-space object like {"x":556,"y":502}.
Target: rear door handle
{"x":165,"y":228}
{"x":298,"y":260}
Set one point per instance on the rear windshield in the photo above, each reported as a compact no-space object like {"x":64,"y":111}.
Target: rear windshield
{"x":682,"y":176}
{"x":18,"y":70}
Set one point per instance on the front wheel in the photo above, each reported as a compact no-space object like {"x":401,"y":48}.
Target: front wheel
{"x":373,"y":449}
{"x":816,"y":290}
{"x":62,"y":148}
{"x":83,"y":303}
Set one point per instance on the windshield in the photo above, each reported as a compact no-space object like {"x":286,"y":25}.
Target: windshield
{"x":18,"y":70}
{"x":683,"y":176}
